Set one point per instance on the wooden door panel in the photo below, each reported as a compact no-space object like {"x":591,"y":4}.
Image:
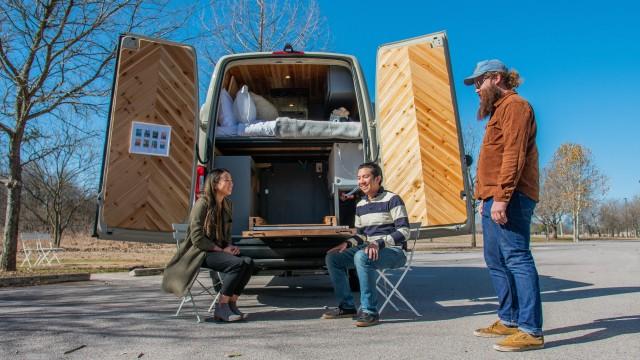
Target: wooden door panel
{"x":418,"y":131}
{"x":155,"y":84}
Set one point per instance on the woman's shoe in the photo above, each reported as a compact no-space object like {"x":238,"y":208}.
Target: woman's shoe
{"x":234,"y":307}
{"x":223,"y":312}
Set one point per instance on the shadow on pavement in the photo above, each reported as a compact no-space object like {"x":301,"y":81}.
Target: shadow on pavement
{"x":604,"y":329}
{"x":124,"y":308}
{"x":438,"y":293}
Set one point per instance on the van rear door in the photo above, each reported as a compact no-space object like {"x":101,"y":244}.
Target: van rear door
{"x":418,"y":134}
{"x":149,"y":158}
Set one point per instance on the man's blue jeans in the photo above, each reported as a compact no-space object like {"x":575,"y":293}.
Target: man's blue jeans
{"x":355,"y":257}
{"x":513,"y":271}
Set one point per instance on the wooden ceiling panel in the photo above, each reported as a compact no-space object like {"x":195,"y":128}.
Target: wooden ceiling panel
{"x":261,"y":79}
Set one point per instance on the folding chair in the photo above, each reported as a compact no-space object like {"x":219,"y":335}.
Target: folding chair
{"x":179,"y":233}
{"x":40,"y":246}
{"x":26,"y":240}
{"x":384,"y":284}
{"x":47,"y":251}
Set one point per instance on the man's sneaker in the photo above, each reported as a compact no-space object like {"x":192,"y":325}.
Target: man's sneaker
{"x":339,"y":313}
{"x":520,"y":341}
{"x":496,"y":329}
{"x":366,"y":319}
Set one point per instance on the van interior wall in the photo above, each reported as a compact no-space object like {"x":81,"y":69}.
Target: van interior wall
{"x":294,"y":192}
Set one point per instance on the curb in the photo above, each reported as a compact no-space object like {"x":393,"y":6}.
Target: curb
{"x":146,"y":271}
{"x":43,"y":279}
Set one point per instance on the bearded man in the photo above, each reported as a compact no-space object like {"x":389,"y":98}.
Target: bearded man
{"x":507,"y":187}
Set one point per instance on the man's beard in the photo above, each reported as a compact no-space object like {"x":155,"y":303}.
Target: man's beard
{"x":488,"y":97}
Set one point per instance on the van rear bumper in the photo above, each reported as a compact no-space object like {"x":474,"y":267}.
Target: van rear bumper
{"x":291,"y":253}
{"x":290,"y":264}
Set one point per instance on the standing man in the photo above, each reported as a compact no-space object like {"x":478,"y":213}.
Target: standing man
{"x":382,"y":227}
{"x":507,"y":185}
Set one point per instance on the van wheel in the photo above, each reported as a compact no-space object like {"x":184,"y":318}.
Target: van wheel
{"x":354,"y":283}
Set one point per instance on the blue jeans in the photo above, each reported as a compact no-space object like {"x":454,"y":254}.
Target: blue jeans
{"x":355,"y":257}
{"x":511,"y":266}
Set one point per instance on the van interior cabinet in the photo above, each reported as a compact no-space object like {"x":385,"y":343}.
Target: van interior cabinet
{"x":294,"y":192}
{"x":243,"y":171}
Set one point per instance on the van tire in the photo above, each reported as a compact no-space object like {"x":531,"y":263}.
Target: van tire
{"x":354,"y":283}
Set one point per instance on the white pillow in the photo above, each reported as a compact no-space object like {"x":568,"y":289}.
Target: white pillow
{"x":265,"y":110}
{"x":226,"y":117}
{"x":244,"y":107}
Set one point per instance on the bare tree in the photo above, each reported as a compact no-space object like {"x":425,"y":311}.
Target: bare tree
{"x":53,"y":58}
{"x":610,"y":216}
{"x":580,"y":181}
{"x":550,"y":210}
{"x":592,"y":220}
{"x":236,"y":26}
{"x":59,"y":184}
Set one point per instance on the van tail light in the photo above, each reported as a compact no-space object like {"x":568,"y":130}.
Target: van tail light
{"x":201,"y":173}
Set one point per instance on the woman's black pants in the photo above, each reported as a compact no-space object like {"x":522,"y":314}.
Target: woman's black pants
{"x":235,"y":270}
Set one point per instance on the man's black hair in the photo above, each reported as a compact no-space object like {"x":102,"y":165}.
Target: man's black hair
{"x":375,"y":169}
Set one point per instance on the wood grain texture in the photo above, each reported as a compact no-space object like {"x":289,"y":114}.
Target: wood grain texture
{"x":418,"y":134}
{"x":261,"y":79}
{"x":156,"y":83}
{"x":297,"y":233}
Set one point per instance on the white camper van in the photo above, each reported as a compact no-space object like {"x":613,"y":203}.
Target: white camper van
{"x":291,"y":127}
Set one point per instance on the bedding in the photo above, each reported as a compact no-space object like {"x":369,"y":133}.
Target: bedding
{"x":244,"y":107}
{"x":225,"y":110}
{"x":293,"y":128}
{"x":265,"y":111}
{"x":287,"y":128}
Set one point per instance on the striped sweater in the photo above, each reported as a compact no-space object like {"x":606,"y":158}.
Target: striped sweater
{"x":382,"y":219}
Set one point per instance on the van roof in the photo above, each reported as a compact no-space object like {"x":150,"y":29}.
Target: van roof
{"x":279,"y":55}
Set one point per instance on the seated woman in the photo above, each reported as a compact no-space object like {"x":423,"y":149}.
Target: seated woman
{"x":208,"y":244}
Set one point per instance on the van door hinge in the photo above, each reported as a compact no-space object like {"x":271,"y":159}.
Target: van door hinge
{"x":437,"y":41}
{"x":130,"y":43}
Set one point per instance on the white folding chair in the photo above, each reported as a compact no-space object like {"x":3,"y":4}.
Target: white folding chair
{"x":28,"y":250}
{"x":48,"y":252}
{"x":384,"y":283}
{"x":179,"y":233}
{"x":40,"y":246}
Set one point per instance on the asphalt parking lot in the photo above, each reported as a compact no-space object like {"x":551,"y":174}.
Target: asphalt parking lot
{"x":591,"y":304}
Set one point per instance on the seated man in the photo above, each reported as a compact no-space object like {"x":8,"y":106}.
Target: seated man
{"x":382,"y":230}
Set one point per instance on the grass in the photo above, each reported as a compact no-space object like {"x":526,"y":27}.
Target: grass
{"x":86,"y":254}
{"x":83,"y":253}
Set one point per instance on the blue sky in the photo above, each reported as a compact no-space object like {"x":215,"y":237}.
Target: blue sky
{"x":580,"y":62}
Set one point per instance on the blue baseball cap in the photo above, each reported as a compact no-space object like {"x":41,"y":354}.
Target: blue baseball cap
{"x":484,"y":67}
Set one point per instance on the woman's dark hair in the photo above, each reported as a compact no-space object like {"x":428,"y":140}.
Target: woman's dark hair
{"x":374,"y":168}
{"x":210,"y":197}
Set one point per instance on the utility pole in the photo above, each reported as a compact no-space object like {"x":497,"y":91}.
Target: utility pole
{"x":468,"y":161}
{"x":626,"y":217}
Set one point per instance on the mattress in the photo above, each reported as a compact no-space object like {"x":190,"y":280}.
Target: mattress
{"x":287,"y":128}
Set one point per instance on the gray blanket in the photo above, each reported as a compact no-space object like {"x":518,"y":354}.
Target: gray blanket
{"x":288,"y":128}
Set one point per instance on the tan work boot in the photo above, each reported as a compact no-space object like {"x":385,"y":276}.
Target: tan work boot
{"x":520,"y":341}
{"x":496,"y":329}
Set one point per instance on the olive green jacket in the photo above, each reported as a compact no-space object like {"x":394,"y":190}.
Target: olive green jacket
{"x":183,"y":268}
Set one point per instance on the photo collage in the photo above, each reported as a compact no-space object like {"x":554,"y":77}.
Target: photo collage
{"x":150,"y":139}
